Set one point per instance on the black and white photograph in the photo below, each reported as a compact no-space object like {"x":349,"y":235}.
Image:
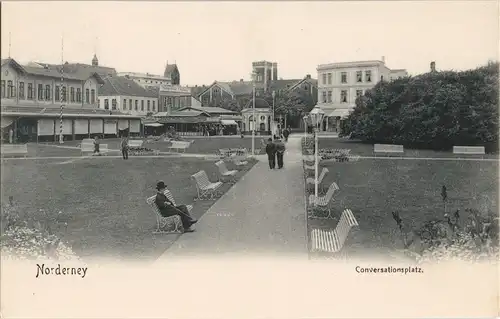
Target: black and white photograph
{"x":249,"y":159}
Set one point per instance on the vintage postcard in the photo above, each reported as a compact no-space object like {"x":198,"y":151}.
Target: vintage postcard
{"x":239,"y":159}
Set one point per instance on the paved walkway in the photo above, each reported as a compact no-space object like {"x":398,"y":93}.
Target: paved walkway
{"x":263,"y":214}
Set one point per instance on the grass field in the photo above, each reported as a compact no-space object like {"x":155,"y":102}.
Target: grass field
{"x":206,"y":145}
{"x":103,"y":200}
{"x":373,"y":188}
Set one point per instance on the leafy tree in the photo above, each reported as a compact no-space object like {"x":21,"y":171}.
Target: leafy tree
{"x":231,"y":104}
{"x":433,"y":110}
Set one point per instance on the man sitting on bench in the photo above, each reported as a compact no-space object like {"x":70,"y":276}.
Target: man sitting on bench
{"x":167,"y":208}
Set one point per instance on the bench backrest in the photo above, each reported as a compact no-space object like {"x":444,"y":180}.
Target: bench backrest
{"x":331,"y":190}
{"x":388,"y":148}
{"x":323,"y":174}
{"x":135,"y":143}
{"x":469,"y":150}
{"x":151,"y":202}
{"x":346,"y":222}
{"x":14,"y":148}
{"x":180,"y":144}
{"x":201,"y":179}
{"x":169,"y":196}
{"x":222,"y":167}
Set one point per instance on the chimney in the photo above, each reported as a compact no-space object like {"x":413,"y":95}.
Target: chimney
{"x":383,"y":59}
{"x":308,"y":76}
{"x":433,"y":66}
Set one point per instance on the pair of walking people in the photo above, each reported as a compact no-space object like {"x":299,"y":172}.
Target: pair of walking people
{"x":275,"y":151}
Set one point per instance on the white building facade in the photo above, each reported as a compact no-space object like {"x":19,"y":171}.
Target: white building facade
{"x":147,"y":80}
{"x":340,"y":84}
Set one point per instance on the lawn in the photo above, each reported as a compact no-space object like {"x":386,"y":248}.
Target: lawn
{"x":373,"y":188}
{"x":362,"y":149}
{"x":206,"y":145}
{"x":103,"y":200}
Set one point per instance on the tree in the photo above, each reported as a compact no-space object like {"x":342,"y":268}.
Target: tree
{"x":231,"y":104}
{"x":432,"y":110}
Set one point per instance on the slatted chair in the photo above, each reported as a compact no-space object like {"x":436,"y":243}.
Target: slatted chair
{"x":165,"y":225}
{"x":205,"y":188}
{"x":310,"y":180}
{"x":332,"y":241}
{"x":239,"y":158}
{"x":322,"y":203}
{"x":226,"y":174}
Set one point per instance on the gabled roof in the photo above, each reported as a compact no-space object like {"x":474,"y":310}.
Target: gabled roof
{"x":14,"y":64}
{"x":52,"y":72}
{"x":209,"y":110}
{"x":283,"y":84}
{"x":120,"y":85}
{"x":80,"y":68}
{"x":181,"y":113}
{"x":312,"y":82}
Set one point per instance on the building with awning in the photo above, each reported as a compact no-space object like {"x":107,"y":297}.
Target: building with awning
{"x":31,"y":104}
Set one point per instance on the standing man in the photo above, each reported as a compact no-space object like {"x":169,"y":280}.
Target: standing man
{"x":280,"y":152}
{"x":124,"y":147}
{"x":271,"y":153}
{"x":286,"y":133}
{"x":96,"y":145}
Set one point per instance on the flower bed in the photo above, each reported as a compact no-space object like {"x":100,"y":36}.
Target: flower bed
{"x":22,"y":241}
{"x":138,"y":151}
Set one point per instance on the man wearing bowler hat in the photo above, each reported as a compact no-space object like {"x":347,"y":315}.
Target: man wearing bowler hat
{"x":167,"y":208}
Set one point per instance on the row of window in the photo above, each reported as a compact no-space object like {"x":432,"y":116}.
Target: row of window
{"x":327,"y":77}
{"x":327,"y":96}
{"x":44,"y":93}
{"x":180,"y":101}
{"x":136,"y":105}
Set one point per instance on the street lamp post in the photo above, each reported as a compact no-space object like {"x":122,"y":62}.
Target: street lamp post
{"x":272,"y":118}
{"x":316,"y":115}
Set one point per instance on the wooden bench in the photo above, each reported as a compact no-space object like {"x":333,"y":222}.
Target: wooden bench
{"x":179,"y":145}
{"x":388,"y":148}
{"x":310,"y":180}
{"x":14,"y":149}
{"x":332,"y":241}
{"x":470,"y":150}
{"x":165,"y":225}
{"x":225,"y":173}
{"x":135,"y":143}
{"x":205,"y":188}
{"x":322,"y":203}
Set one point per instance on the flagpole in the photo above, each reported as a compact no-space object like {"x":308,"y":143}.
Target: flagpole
{"x":61,"y":95}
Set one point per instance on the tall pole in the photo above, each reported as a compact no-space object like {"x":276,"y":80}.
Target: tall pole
{"x":253,"y":121}
{"x":305,"y":128}
{"x":315,"y":165}
{"x":272,"y":118}
{"x":61,"y":95}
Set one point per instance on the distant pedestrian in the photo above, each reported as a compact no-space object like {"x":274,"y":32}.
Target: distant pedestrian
{"x":124,"y":147}
{"x":286,"y":133}
{"x":271,"y":153}
{"x":280,"y":152}
{"x":96,"y":146}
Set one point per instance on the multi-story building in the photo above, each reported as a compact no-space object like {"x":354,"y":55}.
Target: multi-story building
{"x":147,"y":80}
{"x":340,"y":84}
{"x":31,"y":99}
{"x":174,"y":97}
{"x":123,"y":94}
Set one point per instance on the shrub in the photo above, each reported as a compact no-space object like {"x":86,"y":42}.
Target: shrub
{"x":434,"y":110}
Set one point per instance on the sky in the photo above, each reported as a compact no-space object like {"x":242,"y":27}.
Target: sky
{"x":219,"y":40}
